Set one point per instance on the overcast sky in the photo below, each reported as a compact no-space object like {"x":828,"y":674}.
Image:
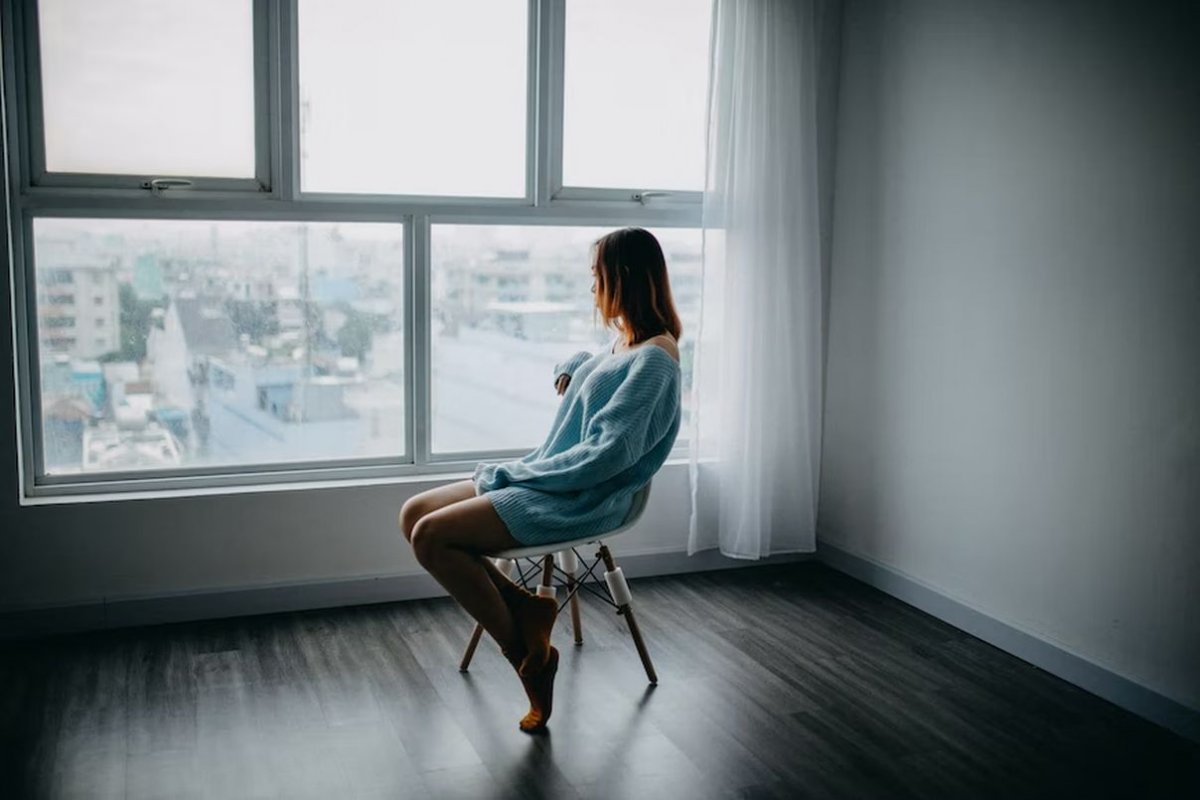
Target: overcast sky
{"x":402,"y":95}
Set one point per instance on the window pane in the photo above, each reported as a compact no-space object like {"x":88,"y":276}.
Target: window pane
{"x":635,"y":85}
{"x":169,"y":343}
{"x":148,"y":88}
{"x":509,"y":302}
{"x":413,"y":97}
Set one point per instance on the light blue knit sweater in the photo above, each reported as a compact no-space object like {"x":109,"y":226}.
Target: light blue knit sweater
{"x":614,"y":428}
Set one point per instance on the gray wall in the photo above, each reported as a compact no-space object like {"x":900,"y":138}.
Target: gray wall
{"x":1013,"y":405}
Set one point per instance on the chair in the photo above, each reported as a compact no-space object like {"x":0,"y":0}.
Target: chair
{"x":559,"y":563}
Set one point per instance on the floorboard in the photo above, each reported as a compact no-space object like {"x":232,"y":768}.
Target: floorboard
{"x":775,"y":682}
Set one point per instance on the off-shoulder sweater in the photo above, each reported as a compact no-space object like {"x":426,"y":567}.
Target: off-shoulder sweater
{"x":614,"y":428}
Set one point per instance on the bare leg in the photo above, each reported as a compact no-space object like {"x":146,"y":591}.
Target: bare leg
{"x":429,"y":501}
{"x":450,"y":544}
{"x":422,"y":505}
{"x":512,"y":590}
{"x":534,"y":617}
{"x":498,"y":578}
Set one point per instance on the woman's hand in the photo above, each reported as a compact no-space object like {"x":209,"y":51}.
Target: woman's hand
{"x":560,"y":385}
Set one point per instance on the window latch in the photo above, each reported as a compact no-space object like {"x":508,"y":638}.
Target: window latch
{"x":158,"y":185}
{"x":641,"y":197}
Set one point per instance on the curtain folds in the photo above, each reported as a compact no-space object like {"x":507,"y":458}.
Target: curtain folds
{"x":755,"y":428}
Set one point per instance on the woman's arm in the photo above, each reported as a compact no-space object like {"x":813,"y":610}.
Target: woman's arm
{"x":566,"y":370}
{"x":616,"y":437}
{"x":573,"y":363}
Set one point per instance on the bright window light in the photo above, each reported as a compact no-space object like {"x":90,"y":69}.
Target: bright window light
{"x":145,"y":87}
{"x":635,"y":93}
{"x":413,"y":97}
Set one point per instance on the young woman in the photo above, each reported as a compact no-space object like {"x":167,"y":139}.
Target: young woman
{"x":614,"y":428}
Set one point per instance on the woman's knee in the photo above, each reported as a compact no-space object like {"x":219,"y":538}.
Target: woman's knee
{"x":424,"y":539}
{"x":427,"y":502}
{"x":410,"y":514}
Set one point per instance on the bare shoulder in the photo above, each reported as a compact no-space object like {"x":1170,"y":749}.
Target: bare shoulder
{"x":666,"y":342}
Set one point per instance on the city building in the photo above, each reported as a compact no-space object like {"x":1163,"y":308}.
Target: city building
{"x":78,"y":307}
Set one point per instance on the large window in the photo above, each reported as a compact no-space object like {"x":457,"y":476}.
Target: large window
{"x":258,"y":241}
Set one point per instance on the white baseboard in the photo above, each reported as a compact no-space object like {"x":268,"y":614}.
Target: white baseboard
{"x":123,"y":612}
{"x":1072,"y":668}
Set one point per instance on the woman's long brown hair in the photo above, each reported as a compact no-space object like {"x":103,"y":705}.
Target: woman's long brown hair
{"x":633,"y":292}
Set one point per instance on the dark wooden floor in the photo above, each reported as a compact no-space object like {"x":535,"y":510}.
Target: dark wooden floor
{"x":776,"y":682}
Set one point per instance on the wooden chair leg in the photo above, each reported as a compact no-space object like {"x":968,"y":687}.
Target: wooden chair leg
{"x":575,"y":621}
{"x":568,"y":562}
{"x":471,"y":645}
{"x":625,"y":610}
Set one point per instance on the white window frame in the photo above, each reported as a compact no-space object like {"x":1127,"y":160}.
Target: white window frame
{"x":275,"y":195}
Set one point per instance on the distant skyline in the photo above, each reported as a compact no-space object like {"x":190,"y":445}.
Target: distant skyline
{"x":453,"y":236}
{"x":216,"y":360}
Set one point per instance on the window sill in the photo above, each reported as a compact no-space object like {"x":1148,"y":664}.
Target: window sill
{"x":432,"y":479}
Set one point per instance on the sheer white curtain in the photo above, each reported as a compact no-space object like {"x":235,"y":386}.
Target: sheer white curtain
{"x":755,"y":431}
